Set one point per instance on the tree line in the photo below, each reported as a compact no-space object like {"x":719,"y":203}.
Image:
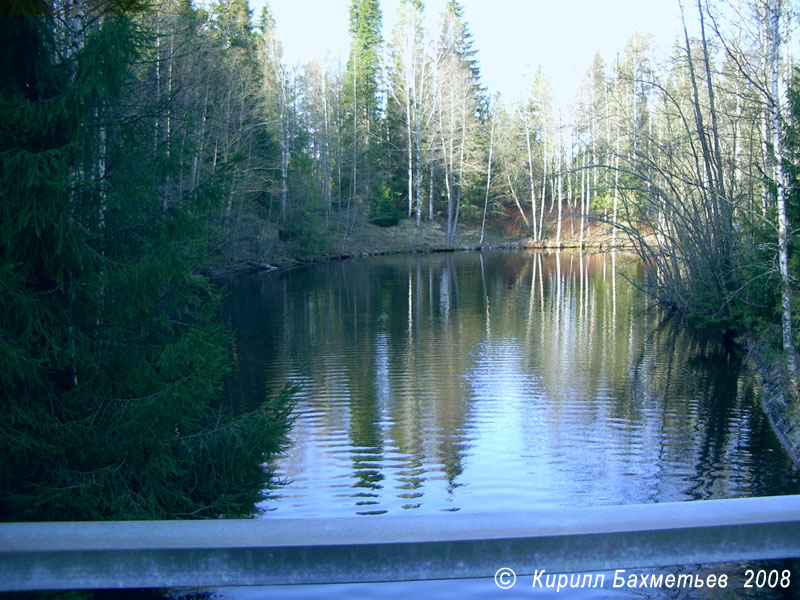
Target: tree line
{"x":703,"y":154}
{"x":691,"y":158}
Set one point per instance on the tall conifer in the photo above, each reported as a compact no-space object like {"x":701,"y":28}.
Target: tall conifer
{"x":111,"y":356}
{"x":361,"y":91}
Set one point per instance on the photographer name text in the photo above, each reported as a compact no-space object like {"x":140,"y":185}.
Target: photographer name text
{"x":754,"y":579}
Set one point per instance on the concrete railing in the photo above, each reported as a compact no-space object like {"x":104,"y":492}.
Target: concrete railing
{"x":137,"y":554}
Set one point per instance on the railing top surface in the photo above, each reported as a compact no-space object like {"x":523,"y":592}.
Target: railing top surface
{"x":158,"y":554}
{"x":388,"y":529}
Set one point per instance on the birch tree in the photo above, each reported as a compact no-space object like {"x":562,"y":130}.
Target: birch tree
{"x":776,"y":102}
{"x":277,"y":104}
{"x":410,"y":88}
{"x":458,"y":105}
{"x":514,"y":172}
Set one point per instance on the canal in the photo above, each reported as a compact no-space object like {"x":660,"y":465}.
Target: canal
{"x":495,"y":381}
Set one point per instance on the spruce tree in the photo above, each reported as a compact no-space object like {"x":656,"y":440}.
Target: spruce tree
{"x":361,"y":92}
{"x":111,"y":354}
{"x":457,"y":40}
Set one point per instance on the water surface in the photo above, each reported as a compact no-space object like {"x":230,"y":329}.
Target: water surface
{"x":499,"y":381}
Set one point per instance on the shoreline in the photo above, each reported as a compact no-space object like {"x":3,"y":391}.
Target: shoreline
{"x":288,"y":262}
{"x":404,"y":238}
{"x":779,"y":402}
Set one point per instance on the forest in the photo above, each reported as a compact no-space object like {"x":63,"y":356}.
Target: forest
{"x":142,"y":141}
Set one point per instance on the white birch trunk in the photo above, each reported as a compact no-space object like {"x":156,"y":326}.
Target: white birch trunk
{"x":530,"y":178}
{"x":780,"y":180}
{"x":583,"y":201}
{"x":558,"y":220}
{"x":488,"y":180}
{"x":409,"y":142}
{"x":326,"y":162}
{"x":544,"y":185}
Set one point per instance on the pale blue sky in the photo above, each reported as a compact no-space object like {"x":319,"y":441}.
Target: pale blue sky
{"x":512,"y":36}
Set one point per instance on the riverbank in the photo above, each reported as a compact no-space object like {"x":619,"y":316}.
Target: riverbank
{"x":780,"y":398}
{"x":268,"y":248}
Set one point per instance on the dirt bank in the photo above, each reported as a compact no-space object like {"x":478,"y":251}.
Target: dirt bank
{"x":263,"y":248}
{"x":779,"y":398}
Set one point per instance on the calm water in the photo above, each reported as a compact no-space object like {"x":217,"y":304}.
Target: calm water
{"x":491,"y":382}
